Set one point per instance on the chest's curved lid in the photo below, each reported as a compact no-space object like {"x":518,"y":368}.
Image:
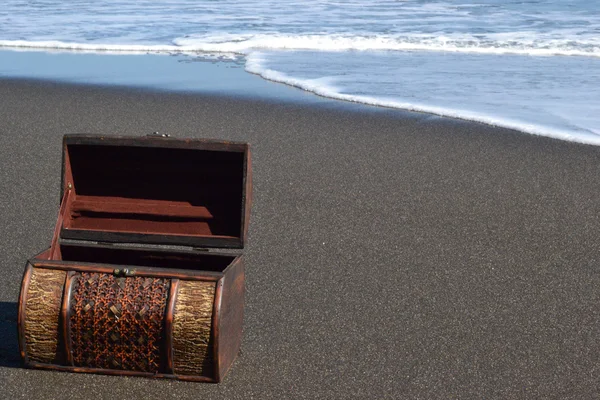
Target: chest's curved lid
{"x":155,"y":190}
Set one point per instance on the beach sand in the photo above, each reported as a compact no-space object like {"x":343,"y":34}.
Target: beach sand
{"x":391,"y":254}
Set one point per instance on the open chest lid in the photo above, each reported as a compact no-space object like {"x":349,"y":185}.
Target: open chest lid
{"x":155,"y":190}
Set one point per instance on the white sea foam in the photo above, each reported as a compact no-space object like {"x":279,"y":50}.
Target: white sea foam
{"x":326,"y":87}
{"x":89,"y":47}
{"x":246,"y":43}
{"x":490,"y":44}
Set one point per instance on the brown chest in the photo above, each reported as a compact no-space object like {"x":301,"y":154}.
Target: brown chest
{"x":130,"y":284}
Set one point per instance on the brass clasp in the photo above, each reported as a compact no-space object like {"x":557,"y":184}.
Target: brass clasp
{"x":123,"y":272}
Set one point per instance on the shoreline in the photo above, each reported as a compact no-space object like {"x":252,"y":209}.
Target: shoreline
{"x":388,"y":255}
{"x":301,"y":101}
{"x":164,"y":73}
{"x":217,"y":76}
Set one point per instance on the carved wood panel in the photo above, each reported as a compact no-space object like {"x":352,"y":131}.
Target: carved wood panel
{"x":42,"y":310}
{"x":192,"y":327}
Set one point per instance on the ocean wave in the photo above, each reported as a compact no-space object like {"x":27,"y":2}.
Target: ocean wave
{"x":325,"y":87}
{"x":88,"y":47}
{"x":488,"y":44}
{"x":520,"y":44}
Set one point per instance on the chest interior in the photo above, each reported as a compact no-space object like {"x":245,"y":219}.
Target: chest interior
{"x":151,"y":190}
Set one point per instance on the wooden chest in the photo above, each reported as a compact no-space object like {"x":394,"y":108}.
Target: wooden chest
{"x":130,"y":284}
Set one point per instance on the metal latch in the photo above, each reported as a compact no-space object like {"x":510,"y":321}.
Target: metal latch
{"x":123,"y":272}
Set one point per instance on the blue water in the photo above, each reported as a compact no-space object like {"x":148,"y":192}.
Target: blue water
{"x":529,"y":65}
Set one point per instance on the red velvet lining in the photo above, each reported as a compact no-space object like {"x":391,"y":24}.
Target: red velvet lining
{"x":120,"y":205}
{"x":154,"y":190}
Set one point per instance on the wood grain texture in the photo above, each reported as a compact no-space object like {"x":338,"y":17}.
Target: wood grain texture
{"x":131,"y":223}
{"x":196,"y":194}
{"x":64,"y":205}
{"x":192,"y":328}
{"x":62,"y":368}
{"x":123,"y":205}
{"x":65,"y":329}
{"x":138,"y":271}
{"x":67,"y":173}
{"x":170,"y":311}
{"x":152,"y":141}
{"x":230,"y":318}
{"x":215,"y":323}
{"x":247,"y":196}
{"x":21,"y":314}
{"x":216,"y":241}
{"x":42,"y":310}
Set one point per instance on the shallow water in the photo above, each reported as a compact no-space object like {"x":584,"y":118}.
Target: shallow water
{"x":528,"y":65}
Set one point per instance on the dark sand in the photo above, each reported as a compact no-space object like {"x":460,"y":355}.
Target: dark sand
{"x":391,"y":254}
